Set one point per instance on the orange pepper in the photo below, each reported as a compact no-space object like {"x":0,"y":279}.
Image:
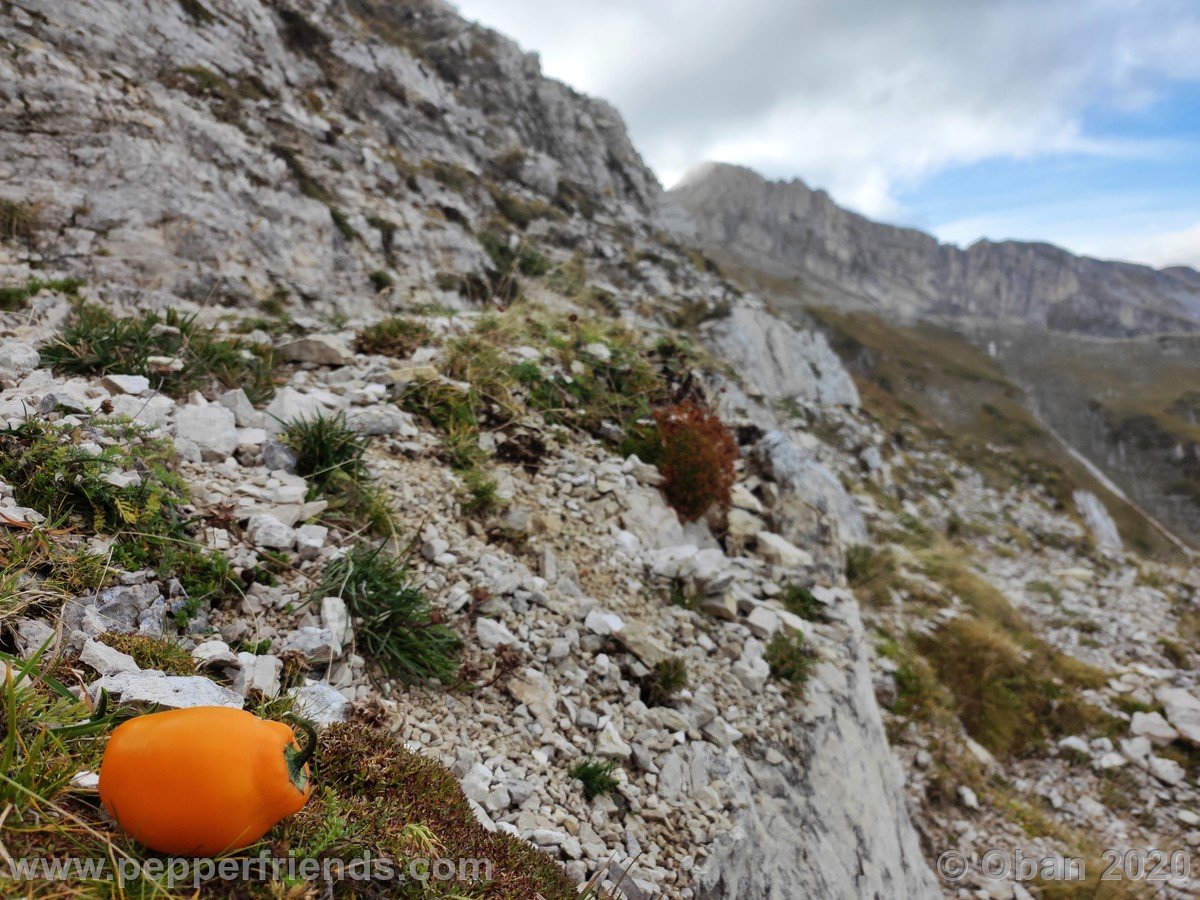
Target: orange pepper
{"x":203,"y":781}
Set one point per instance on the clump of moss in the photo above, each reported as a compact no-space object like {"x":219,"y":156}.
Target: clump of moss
{"x":395,"y":624}
{"x":151,"y":652}
{"x":399,"y":805}
{"x":96,"y":342}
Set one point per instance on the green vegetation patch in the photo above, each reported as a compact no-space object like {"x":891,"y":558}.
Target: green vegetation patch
{"x":176,"y":353}
{"x":791,"y":659}
{"x":15,"y":297}
{"x":395,"y":624}
{"x":331,"y":456}
{"x":108,"y":477}
{"x":18,"y":221}
{"x":595,"y":775}
{"x":380,"y":797}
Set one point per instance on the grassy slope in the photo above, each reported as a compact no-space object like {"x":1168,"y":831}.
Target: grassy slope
{"x":934,"y":380}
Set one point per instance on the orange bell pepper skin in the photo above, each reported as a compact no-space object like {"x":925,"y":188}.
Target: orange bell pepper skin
{"x":203,"y":781}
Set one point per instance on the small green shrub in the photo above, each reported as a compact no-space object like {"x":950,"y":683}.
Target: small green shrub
{"x":331,"y":455}
{"x":790,"y":659}
{"x":395,"y":624}
{"x":696,"y":459}
{"x":667,"y":679}
{"x":481,"y":495}
{"x":679,"y":595}
{"x":591,"y":386}
{"x":452,"y":410}
{"x":97,"y":343}
{"x":595,"y":775}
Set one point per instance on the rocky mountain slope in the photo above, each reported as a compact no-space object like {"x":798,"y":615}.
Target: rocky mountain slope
{"x":831,"y":255}
{"x":347,"y":369}
{"x":1085,"y":340}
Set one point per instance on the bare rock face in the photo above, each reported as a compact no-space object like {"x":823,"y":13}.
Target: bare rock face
{"x":854,"y":830}
{"x":1098,"y":521}
{"x":833,"y":256}
{"x":780,"y":361}
{"x":247,"y":149}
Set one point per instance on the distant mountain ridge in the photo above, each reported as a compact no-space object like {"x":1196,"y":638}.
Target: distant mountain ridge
{"x":836,"y":257}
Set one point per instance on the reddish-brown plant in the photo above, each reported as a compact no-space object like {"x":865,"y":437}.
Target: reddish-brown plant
{"x":696,"y":457}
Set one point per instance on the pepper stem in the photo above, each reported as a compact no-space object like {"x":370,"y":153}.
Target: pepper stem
{"x":297,"y":759}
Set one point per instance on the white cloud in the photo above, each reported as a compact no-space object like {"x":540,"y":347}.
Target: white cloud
{"x":863,"y":97}
{"x":1157,"y":248}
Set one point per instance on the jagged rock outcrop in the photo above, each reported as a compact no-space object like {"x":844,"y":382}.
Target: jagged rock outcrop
{"x":781,"y":362}
{"x":827,"y":255}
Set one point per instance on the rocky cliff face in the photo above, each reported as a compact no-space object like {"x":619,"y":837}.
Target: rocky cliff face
{"x":232,"y":152}
{"x":826,"y":255}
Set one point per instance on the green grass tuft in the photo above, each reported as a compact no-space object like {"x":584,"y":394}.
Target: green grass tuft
{"x":595,"y":775}
{"x":15,"y":297}
{"x":96,"y":342}
{"x":330,"y":454}
{"x":395,"y":624}
{"x":790,"y":659}
{"x":56,"y":470}
{"x":666,"y":679}
{"x":395,"y":336}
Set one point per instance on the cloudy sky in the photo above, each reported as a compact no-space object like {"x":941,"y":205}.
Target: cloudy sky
{"x":1074,"y":121}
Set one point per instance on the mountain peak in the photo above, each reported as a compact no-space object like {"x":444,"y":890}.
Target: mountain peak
{"x":786,"y":229}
